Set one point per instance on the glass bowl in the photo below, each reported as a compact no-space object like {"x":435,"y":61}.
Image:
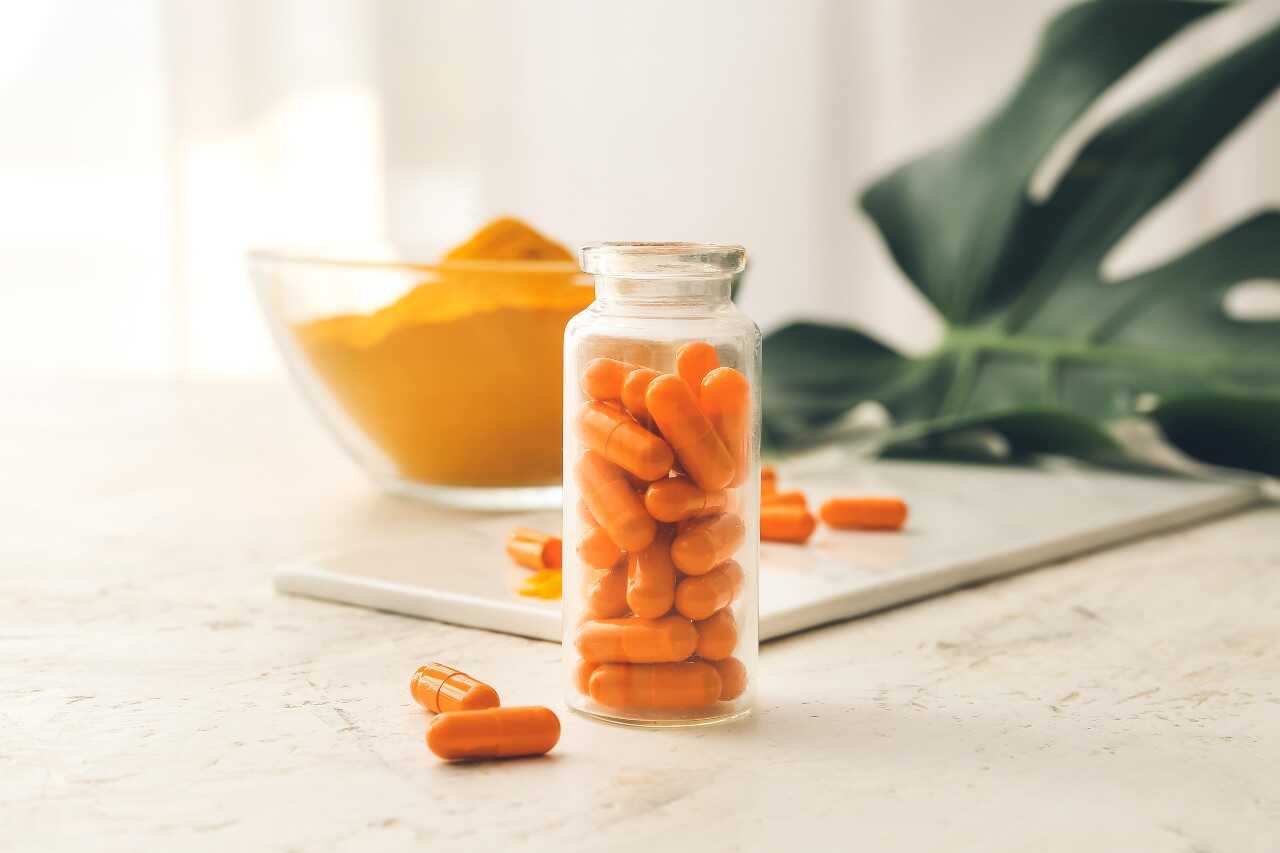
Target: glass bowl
{"x":442,"y":380}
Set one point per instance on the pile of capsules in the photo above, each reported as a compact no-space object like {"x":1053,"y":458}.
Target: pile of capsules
{"x":470,"y":723}
{"x":659,"y":515}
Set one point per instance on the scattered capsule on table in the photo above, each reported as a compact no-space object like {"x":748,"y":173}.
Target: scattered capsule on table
{"x":706,"y":543}
{"x":613,"y":502}
{"x":782,"y":523}
{"x":494,"y":733}
{"x":695,"y":360}
{"x":440,"y":688}
{"x":865,"y":513}
{"x":791,"y":498}
{"x":678,"y":498}
{"x":674,"y":686}
{"x":534,"y":549}
{"x":726,"y":398}
{"x":733,"y":678}
{"x":651,"y":578}
{"x":632,"y":639}
{"x":597,"y":550}
{"x":615,"y":436}
{"x":768,"y":480}
{"x":602,"y":379}
{"x":633,"y":391}
{"x":683,"y":424}
{"x":698,"y":596}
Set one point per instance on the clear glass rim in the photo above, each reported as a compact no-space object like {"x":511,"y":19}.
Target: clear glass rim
{"x":662,"y":260}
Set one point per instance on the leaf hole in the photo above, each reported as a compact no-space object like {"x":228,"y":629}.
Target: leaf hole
{"x":1256,"y":301}
{"x":1181,"y":56}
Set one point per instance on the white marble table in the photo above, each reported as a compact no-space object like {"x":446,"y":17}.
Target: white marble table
{"x":155,"y":694}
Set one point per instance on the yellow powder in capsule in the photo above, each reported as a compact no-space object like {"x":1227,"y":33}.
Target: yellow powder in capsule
{"x":459,"y":380}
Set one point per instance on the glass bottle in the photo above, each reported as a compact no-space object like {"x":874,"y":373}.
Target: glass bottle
{"x":662,"y":488}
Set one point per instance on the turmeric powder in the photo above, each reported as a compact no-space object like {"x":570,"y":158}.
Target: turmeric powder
{"x":544,"y":583}
{"x":458,"y":381}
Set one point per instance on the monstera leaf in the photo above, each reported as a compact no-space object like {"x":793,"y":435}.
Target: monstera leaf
{"x":1039,"y":348}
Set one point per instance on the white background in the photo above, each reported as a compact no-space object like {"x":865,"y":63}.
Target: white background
{"x":145,"y":145}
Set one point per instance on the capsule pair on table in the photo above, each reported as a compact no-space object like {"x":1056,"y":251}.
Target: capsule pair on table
{"x":470,"y":722}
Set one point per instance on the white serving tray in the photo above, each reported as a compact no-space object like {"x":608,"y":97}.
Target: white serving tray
{"x":968,"y":523}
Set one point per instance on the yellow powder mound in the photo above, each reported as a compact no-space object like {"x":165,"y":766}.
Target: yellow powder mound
{"x":459,"y":381}
{"x":508,"y":239}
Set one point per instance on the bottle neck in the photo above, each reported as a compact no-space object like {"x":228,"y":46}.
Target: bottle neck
{"x":674,"y":294}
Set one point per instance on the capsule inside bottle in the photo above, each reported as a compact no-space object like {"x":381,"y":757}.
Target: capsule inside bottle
{"x":632,"y":639}
{"x":613,"y":502}
{"x":686,"y":686}
{"x":673,"y":407}
{"x":603,"y":377}
{"x":698,"y":596}
{"x":597,"y":550}
{"x":717,"y":635}
{"x":706,"y":543}
{"x":679,"y":498}
{"x":618,"y":438}
{"x":651,"y":578}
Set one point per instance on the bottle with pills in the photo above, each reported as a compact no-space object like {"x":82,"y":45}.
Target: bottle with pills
{"x":662,"y":488}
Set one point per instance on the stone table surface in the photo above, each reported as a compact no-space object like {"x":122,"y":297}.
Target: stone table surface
{"x":156,"y":694}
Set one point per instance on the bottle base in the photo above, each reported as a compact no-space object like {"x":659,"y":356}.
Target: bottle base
{"x":602,"y":715}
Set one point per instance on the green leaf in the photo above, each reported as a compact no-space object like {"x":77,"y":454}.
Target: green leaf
{"x":1039,"y":348}
{"x":1230,"y":430}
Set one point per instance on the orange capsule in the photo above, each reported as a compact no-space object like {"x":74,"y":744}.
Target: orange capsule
{"x":534,"y":549}
{"x":585,"y":514}
{"x":870,"y":513}
{"x":695,"y":360}
{"x":667,"y":686}
{"x":616,"y":437}
{"x":603,"y":377}
{"x":678,"y":498}
{"x":582,"y":675}
{"x":791,"y":498}
{"x":613,"y":502}
{"x":437,"y":688}
{"x":733,"y":678}
{"x":607,"y":593}
{"x":768,"y":481}
{"x":726,"y":398}
{"x":597,"y":550}
{"x":633,"y":391}
{"x":675,"y":410}
{"x":706,"y":543}
{"x":635,"y":640}
{"x":698,"y":596}
{"x":781,"y":523}
{"x":717,"y":636}
{"x":651,"y":578}
{"x":494,"y":733}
